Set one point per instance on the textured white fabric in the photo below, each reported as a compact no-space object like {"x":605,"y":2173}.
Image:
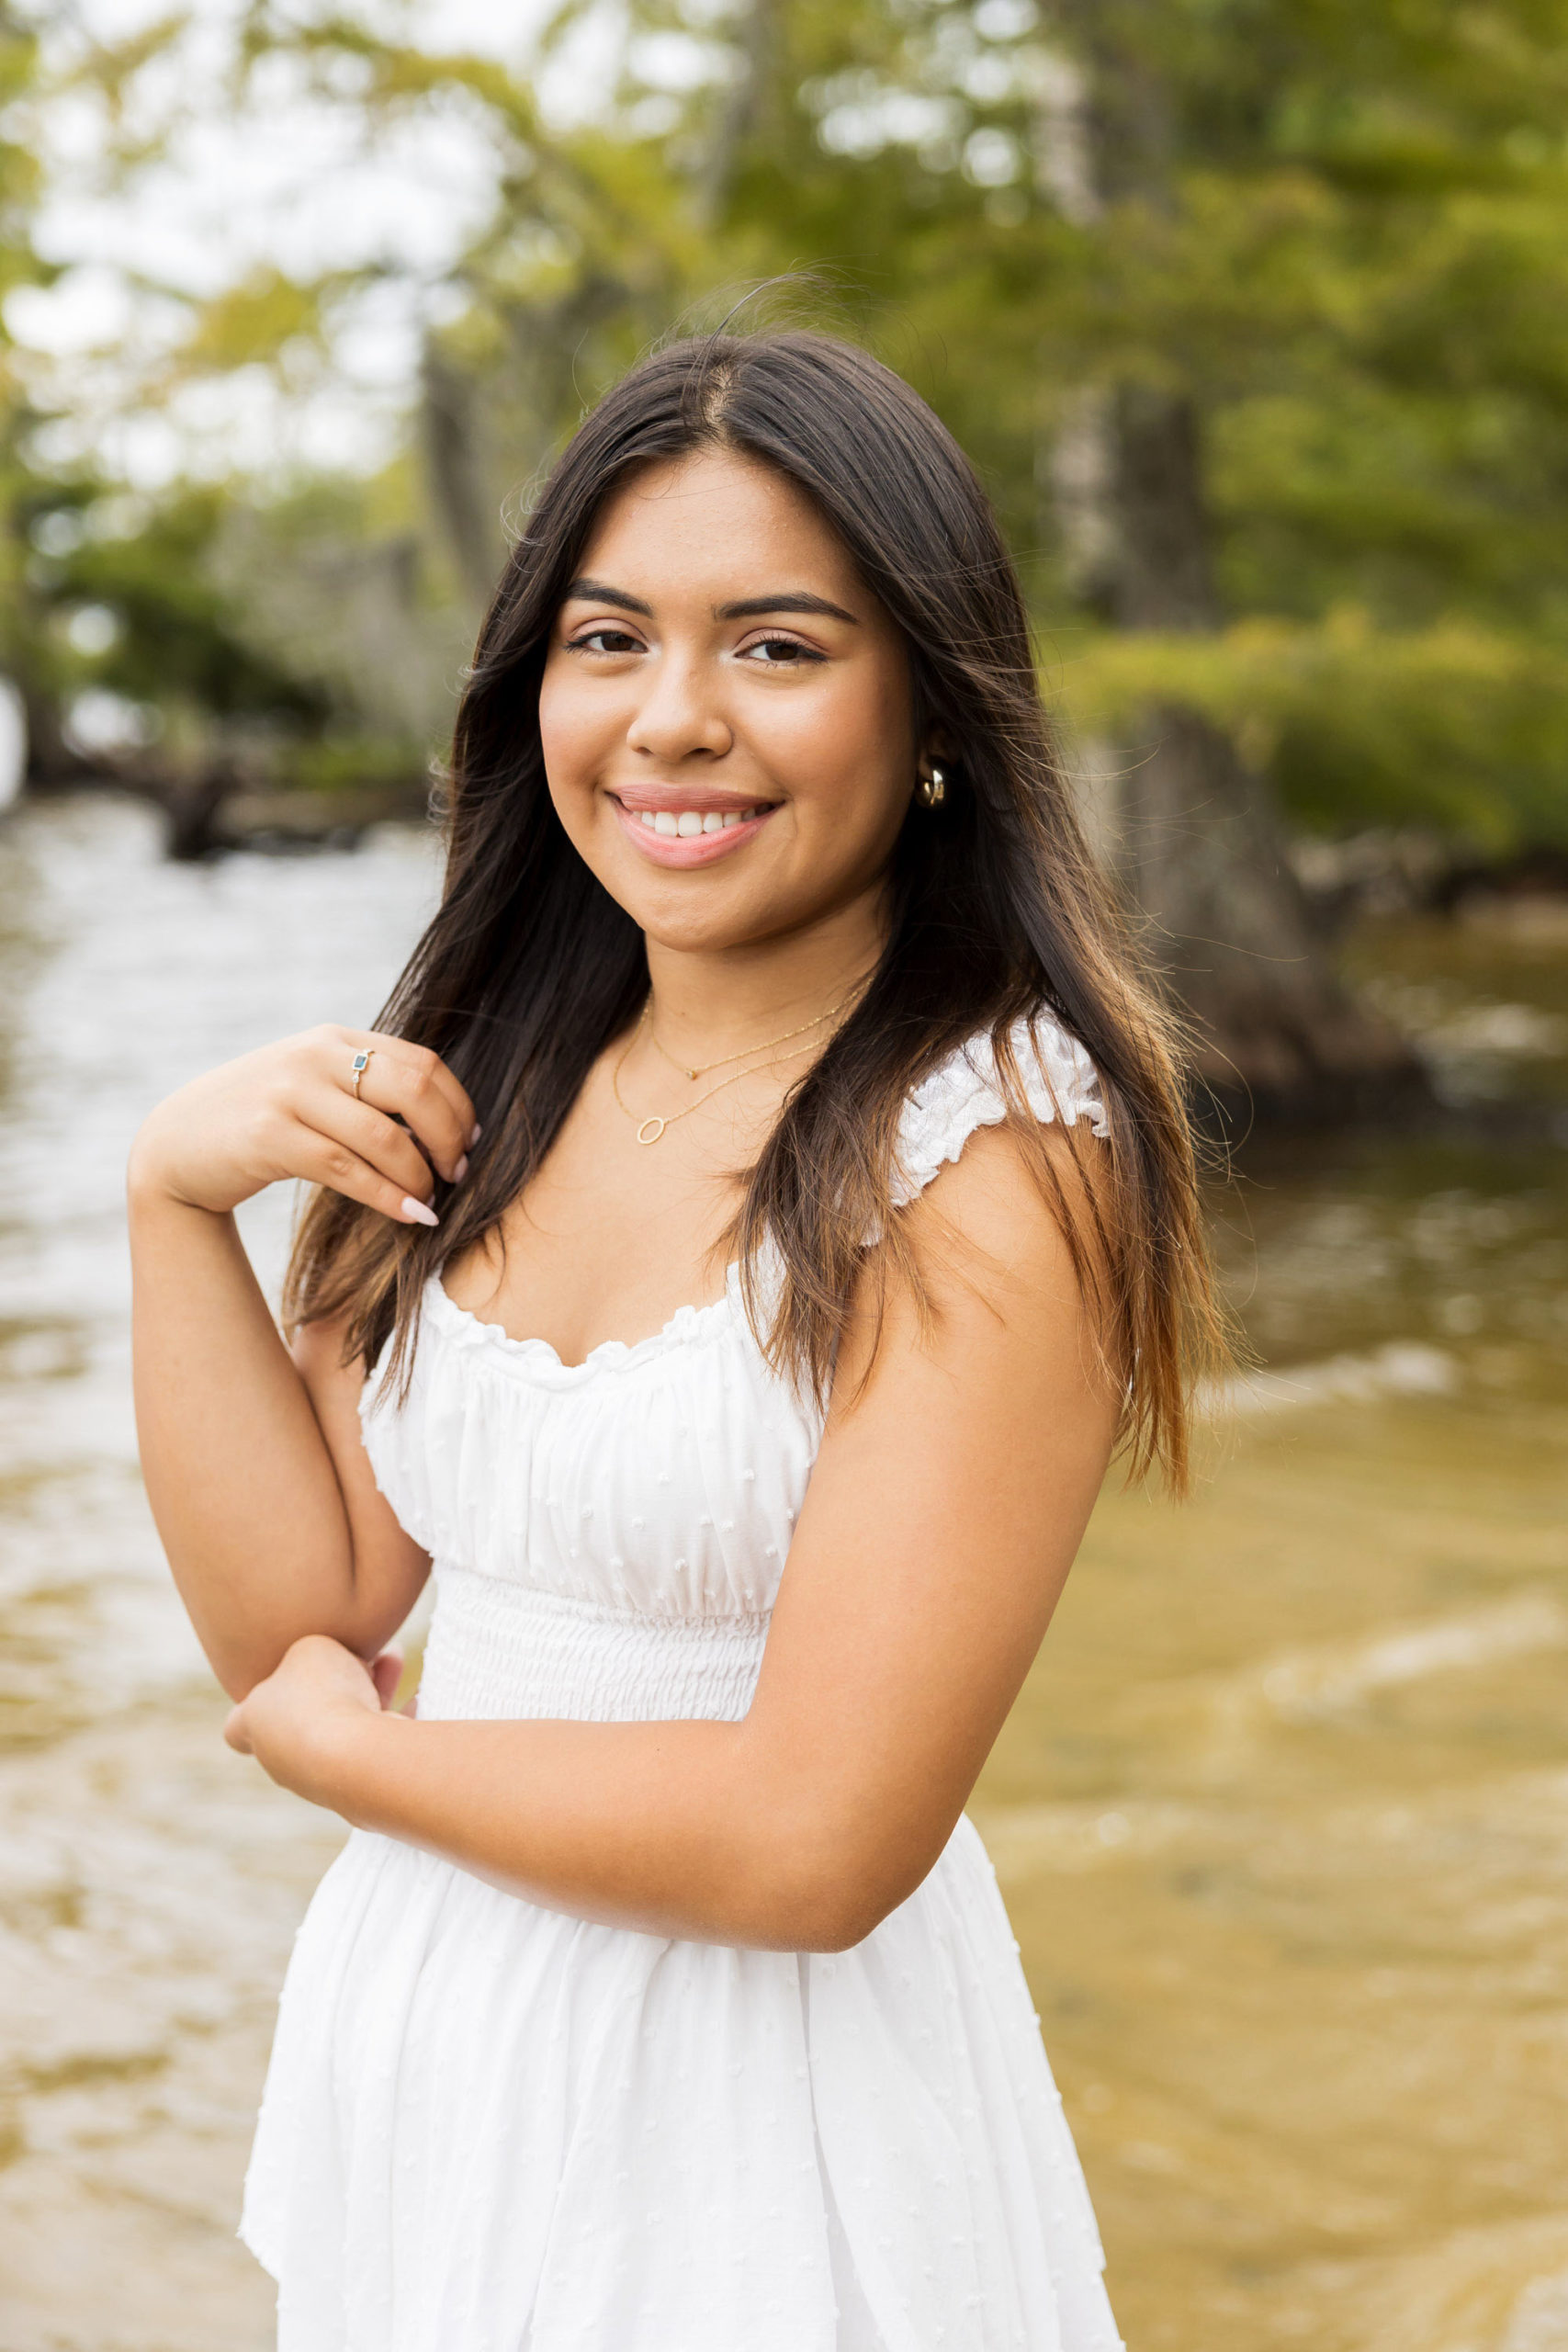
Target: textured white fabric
{"x":1057,"y":1077}
{"x":494,"y":2128}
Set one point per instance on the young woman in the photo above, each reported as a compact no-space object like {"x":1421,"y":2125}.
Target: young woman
{"x":764,"y":1207}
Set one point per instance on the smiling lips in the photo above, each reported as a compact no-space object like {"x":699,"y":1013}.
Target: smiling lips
{"x":693,"y":830}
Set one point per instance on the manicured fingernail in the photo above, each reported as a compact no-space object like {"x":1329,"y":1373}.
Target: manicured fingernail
{"x":461,"y":1169}
{"x":475,"y":1137}
{"x":416,"y":1212}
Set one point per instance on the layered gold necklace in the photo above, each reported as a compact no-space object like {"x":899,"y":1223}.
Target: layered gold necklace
{"x":649,"y":1130}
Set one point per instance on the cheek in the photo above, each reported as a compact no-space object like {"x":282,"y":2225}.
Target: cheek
{"x":858,"y":752}
{"x":572,"y":731}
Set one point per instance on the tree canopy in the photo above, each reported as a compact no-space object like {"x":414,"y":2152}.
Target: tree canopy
{"x":1254,"y":314}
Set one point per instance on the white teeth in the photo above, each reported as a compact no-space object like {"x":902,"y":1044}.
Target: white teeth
{"x":684,"y":823}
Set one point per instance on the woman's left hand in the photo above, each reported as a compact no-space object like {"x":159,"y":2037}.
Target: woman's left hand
{"x":293,"y":1722}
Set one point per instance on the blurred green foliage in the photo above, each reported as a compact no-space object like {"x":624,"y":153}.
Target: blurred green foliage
{"x":1333,"y":235}
{"x":1457,"y":727}
{"x":171,"y":632}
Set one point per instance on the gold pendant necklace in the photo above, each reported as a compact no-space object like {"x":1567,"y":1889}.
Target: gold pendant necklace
{"x":649,"y":1130}
{"x":764,"y":1046}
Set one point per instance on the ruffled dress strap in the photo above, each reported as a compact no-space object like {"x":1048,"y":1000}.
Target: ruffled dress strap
{"x":965,"y":1092}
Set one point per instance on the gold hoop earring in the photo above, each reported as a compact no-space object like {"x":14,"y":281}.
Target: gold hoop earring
{"x":933,"y":787}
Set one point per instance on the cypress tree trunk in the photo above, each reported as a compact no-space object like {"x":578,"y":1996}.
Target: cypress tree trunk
{"x":459,"y":471}
{"x":1192,"y":830}
{"x":486,"y":430}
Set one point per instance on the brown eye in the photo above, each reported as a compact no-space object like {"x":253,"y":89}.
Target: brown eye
{"x":777,"y":652}
{"x":605,"y":640}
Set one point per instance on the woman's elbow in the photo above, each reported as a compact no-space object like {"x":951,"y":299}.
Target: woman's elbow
{"x":827,"y":1893}
{"x":239,"y":1666}
{"x":840,"y":1926}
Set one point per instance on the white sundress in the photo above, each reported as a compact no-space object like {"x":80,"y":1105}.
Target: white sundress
{"x":490,"y":2127}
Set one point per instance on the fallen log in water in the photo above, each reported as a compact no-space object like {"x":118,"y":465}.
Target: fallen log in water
{"x":221,"y":806}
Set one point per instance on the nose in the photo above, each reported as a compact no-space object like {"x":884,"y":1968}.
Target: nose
{"x":680,"y":714}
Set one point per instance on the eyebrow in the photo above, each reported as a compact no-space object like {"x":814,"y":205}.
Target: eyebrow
{"x":796,"y":600}
{"x":594,"y":591}
{"x":745,"y":608}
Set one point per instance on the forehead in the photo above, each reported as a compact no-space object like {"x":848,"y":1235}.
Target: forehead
{"x":717,"y":521}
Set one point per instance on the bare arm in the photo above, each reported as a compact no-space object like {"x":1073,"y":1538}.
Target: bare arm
{"x":257,"y":1478}
{"x":946,"y":1506}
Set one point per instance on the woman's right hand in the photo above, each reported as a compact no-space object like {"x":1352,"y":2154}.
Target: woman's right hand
{"x":289,"y":1111}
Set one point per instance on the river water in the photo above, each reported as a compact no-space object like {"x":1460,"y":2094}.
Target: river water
{"x":1282,"y":1814}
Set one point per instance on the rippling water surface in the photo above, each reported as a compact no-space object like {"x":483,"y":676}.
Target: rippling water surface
{"x":1283,"y":1816}
{"x":149,"y":1883}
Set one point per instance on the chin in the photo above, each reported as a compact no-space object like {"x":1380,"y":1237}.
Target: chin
{"x":703,"y":930}
{"x":693,"y":913}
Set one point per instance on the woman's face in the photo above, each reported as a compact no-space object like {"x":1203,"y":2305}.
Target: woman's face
{"x":726,"y":709}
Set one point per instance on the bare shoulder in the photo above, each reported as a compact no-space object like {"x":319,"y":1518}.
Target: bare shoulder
{"x":990,"y":1275}
{"x":1023,"y":1221}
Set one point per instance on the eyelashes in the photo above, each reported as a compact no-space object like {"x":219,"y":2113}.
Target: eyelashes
{"x":801,"y":653}
{"x":593,"y":642}
{"x":587,"y":642}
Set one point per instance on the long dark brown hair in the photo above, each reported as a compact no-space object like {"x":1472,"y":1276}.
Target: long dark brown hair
{"x":530,"y":968}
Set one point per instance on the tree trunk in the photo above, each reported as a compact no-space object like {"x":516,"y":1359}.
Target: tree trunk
{"x":1179,"y":815}
{"x":753,"y":35}
{"x":461,"y":492}
{"x":1197,"y":847}
{"x":488,"y":432}
{"x":1190,"y":829}
{"x":52,"y":762}
{"x":1194,"y":832}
